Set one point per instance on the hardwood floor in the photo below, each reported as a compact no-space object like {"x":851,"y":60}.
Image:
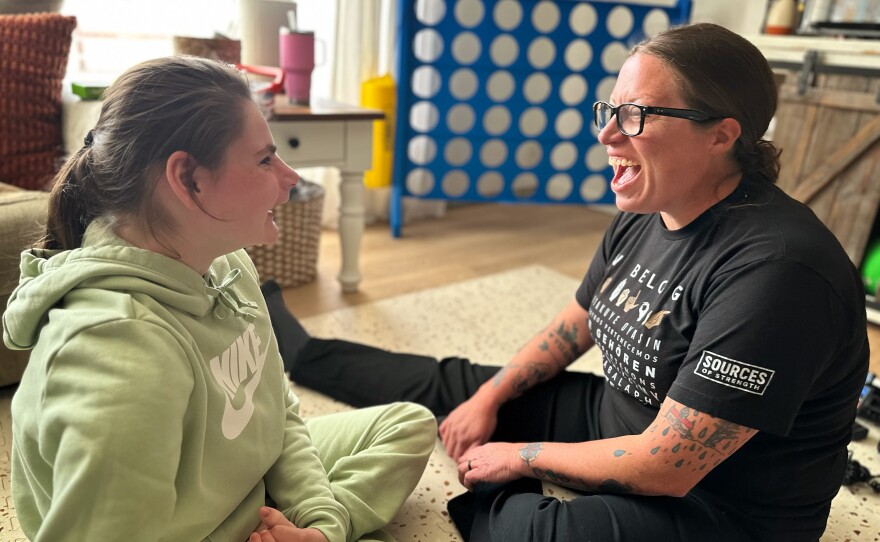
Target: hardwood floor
{"x":469,"y":242}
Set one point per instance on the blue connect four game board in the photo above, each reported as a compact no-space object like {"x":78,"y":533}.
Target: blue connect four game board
{"x":494,"y":100}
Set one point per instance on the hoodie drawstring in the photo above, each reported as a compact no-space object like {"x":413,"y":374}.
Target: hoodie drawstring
{"x":229,"y":298}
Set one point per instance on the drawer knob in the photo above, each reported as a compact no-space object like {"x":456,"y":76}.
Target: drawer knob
{"x":293,"y":142}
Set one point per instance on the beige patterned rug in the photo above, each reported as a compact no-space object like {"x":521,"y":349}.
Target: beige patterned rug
{"x":486,"y":320}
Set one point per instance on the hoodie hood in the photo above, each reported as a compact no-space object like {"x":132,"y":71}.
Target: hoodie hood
{"x":107,"y":262}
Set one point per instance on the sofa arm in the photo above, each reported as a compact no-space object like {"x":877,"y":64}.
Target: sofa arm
{"x":23,"y":216}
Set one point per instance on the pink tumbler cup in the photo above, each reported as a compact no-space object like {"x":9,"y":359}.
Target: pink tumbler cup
{"x":297,"y":57}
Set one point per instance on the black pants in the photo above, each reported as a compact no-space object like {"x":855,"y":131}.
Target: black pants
{"x":561,"y":410}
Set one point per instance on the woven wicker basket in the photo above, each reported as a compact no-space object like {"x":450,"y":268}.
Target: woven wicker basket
{"x":225,"y":50}
{"x":293,"y":260}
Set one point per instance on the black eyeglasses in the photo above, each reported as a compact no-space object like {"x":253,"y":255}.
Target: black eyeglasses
{"x":631,"y":117}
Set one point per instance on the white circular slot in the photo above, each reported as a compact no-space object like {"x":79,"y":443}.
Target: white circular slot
{"x":597,"y":158}
{"x":430,"y":12}
{"x":469,"y":13}
{"x":422,"y":150}
{"x":460,"y":118}
{"x":563,"y":156}
{"x":525,"y":185}
{"x":493,"y":153}
{"x":425,"y":81}
{"x":655,"y":22}
{"x":578,"y":55}
{"x":573,"y":90}
{"x":458,"y":151}
{"x":605,"y":88}
{"x":545,"y":17}
{"x":533,"y":122}
{"x":420,"y":181}
{"x":466,"y":48}
{"x":537,"y":88}
{"x":428,"y":45}
{"x":613,"y":57}
{"x":455,"y":183}
{"x":504,"y":50}
{"x":541,"y":53}
{"x":619,"y":21}
{"x":569,"y":123}
{"x":582,"y":20}
{"x":463,"y":84}
{"x":490,"y":184}
{"x":559,"y":186}
{"x":528,"y":154}
{"x":423,"y":116}
{"x":496,"y":120}
{"x":507,"y":14}
{"x":593,"y":188}
{"x":500,"y":86}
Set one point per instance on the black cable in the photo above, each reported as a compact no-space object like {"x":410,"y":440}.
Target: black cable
{"x":857,"y":473}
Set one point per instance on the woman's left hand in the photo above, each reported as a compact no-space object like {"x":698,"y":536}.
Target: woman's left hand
{"x":494,"y":462}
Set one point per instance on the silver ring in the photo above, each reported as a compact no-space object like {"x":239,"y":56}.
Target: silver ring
{"x":469,"y":464}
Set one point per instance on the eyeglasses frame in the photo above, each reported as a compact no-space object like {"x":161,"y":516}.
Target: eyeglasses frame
{"x":689,"y":114}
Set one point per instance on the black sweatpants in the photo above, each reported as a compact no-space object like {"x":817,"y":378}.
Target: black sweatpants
{"x":564,"y":409}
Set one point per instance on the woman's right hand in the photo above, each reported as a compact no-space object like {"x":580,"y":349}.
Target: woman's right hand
{"x":470,"y":424}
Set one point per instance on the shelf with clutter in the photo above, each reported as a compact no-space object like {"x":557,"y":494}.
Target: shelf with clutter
{"x":828,"y":127}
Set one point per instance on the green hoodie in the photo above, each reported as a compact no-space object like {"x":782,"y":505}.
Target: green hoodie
{"x":154,"y":406}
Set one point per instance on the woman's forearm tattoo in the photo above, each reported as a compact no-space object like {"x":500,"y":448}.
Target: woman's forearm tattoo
{"x":533,"y":373}
{"x":529,"y":452}
{"x":499,"y":376}
{"x":565,"y":343}
{"x":565,"y":350}
{"x":608,"y":486}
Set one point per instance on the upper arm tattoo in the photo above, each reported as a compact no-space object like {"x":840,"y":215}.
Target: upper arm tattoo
{"x":709,"y":440}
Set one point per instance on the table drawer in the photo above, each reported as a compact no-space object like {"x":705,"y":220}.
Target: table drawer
{"x":305,"y":144}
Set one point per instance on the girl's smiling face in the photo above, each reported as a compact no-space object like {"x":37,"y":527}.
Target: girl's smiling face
{"x":244,"y":190}
{"x":673,"y":167}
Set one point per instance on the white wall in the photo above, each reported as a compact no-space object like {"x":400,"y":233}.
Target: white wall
{"x":742,"y":16}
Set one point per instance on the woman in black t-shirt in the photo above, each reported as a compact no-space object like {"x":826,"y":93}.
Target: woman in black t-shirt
{"x":731,"y":325}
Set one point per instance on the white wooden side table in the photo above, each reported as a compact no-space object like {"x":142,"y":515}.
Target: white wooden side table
{"x":329,"y":134}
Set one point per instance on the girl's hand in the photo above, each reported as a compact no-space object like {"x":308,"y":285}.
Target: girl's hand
{"x":274,"y":527}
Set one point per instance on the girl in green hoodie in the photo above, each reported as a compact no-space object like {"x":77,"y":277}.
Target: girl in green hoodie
{"x":155,"y":406}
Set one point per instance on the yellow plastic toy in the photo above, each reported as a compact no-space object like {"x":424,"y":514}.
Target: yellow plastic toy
{"x":379,"y":93}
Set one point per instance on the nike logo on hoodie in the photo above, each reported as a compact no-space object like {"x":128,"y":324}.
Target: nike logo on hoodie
{"x":238,"y":371}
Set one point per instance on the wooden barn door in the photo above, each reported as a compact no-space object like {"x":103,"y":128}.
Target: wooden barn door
{"x":830,"y":141}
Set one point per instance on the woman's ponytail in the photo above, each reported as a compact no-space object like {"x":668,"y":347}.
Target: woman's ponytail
{"x":69,"y":212}
{"x":758,"y":159}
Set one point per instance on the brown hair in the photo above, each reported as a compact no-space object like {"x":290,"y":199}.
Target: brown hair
{"x":723,"y":74}
{"x":154,"y":109}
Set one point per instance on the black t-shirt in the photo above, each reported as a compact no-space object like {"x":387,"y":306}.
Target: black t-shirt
{"x":752,"y":313}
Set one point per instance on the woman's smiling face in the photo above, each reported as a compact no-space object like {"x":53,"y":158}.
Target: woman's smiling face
{"x":669,"y":168}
